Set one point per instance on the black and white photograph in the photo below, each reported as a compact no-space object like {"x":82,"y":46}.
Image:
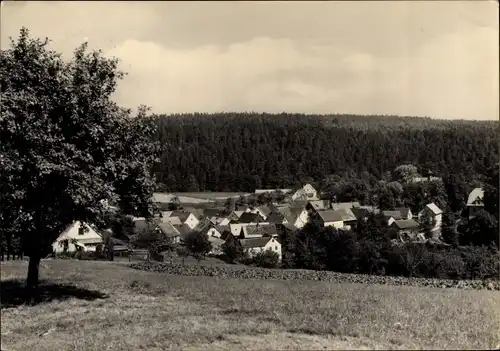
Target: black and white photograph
{"x":249,"y":175}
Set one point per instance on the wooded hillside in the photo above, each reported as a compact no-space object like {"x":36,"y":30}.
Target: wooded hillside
{"x":245,"y":151}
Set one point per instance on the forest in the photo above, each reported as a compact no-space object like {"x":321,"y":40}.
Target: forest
{"x":246,"y":151}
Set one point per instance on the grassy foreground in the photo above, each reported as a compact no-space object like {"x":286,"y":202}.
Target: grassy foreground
{"x":108,"y":306}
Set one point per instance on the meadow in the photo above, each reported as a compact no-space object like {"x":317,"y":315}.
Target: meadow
{"x":91,"y":305}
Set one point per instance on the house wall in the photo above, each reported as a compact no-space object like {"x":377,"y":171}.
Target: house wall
{"x":214,"y":232}
{"x":390,"y":221}
{"x":302,"y":219}
{"x":410,"y":215}
{"x":272,"y":245}
{"x":192,"y":221}
{"x":336,"y":224}
{"x":73,"y":233}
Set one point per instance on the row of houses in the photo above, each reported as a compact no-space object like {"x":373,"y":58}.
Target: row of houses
{"x":257,"y":228}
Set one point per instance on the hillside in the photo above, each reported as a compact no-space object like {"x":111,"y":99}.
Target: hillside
{"x":103,"y":305}
{"x":242,"y":152}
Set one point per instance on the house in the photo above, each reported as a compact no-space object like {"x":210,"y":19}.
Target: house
{"x":211,"y":212}
{"x":397,"y":215}
{"x":256,"y":245}
{"x":330,"y":218}
{"x":475,"y":202}
{"x":276,"y":218}
{"x":348,"y":218}
{"x":246,"y":219}
{"x":339,"y":205}
{"x":77,"y":235}
{"x":433,"y":215}
{"x":184,"y":231}
{"x":180,"y":217}
{"x":209,"y":229}
{"x":258,"y":231}
{"x":297,"y":216}
{"x":406,"y":227}
{"x":307,"y":192}
{"x":170,"y":232}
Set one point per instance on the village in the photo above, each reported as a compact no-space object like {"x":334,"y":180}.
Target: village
{"x":257,"y":228}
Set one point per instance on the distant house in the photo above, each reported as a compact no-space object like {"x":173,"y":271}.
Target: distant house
{"x":276,"y":218}
{"x":406,"y":227}
{"x":307,"y":192}
{"x":77,"y":235}
{"x":180,"y":217}
{"x":361,"y":214}
{"x":397,"y":215}
{"x":246,"y":219}
{"x":209,"y":229}
{"x":254,"y":246}
{"x":475,"y":202}
{"x":170,"y":232}
{"x":296,"y":215}
{"x":348,"y":217}
{"x":330,"y":218}
{"x":431,"y":214}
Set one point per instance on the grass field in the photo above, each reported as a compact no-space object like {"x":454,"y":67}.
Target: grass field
{"x":108,"y":306}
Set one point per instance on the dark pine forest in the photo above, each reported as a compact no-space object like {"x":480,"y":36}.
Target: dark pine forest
{"x":245,"y":151}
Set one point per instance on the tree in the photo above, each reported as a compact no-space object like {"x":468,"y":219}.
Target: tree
{"x":404,"y":173}
{"x":232,"y":250}
{"x":182,"y":252}
{"x":267,"y":259}
{"x":198,"y":244}
{"x":66,"y":146}
{"x":449,"y":231}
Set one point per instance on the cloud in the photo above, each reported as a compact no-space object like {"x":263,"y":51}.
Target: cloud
{"x":454,"y":75}
{"x":435,"y":59}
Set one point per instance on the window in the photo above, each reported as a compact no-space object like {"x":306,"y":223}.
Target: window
{"x":276,"y":248}
{"x":81,"y":231}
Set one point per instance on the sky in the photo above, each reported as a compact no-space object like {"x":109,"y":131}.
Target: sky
{"x":438,"y":58}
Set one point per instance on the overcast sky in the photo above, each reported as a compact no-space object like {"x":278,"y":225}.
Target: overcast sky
{"x":437,"y":59}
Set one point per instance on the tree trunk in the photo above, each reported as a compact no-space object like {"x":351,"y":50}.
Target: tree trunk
{"x":32,"y":279}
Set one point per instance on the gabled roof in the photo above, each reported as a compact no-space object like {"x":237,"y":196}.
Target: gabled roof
{"x":181,"y":214}
{"x":239,"y":213}
{"x":291,"y":213}
{"x":346,"y":214}
{"x":330,"y":216}
{"x":211,"y":212}
{"x":394,"y":214}
{"x":434,"y":209}
{"x":405,"y":212}
{"x":269,"y":229}
{"x":339,"y":205}
{"x":360,"y":213}
{"x":476,"y":194}
{"x":249,"y":217}
{"x":254,"y":242}
{"x":266,"y":209}
{"x":406,"y":224}
{"x":168,"y":229}
{"x":275,"y":218}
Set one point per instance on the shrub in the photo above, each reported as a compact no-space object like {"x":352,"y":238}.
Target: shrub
{"x":198,"y":244}
{"x":232,"y":251}
{"x":266,"y":259}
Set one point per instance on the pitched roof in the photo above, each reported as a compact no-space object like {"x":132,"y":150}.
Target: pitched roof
{"x":346,"y":214}
{"x":181,"y":214}
{"x":168,"y":229}
{"x":248,"y":217}
{"x":239,"y":213}
{"x":266,"y":209}
{"x":330,"y":216}
{"x":216,"y":241}
{"x":339,"y":205}
{"x":211,"y":212}
{"x":436,"y":210}
{"x":474,"y":195}
{"x":406,"y":224}
{"x":405,"y":212}
{"x":291,"y":213}
{"x":360,"y":213}
{"x":394,"y":214}
{"x":269,"y":229}
{"x":254,"y":242}
{"x":183,"y":229}
{"x":275,"y":218}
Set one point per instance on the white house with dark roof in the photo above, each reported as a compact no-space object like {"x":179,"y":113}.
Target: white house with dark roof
{"x":180,"y":217}
{"x":256,"y":245}
{"x":307,"y":192}
{"x":331,"y":218}
{"x":475,"y":202}
{"x":405,"y":212}
{"x":407,"y":227}
{"x":431,"y":214}
{"x":294,"y":215}
{"x":77,"y":235}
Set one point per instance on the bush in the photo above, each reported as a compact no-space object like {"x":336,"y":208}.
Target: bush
{"x":266,"y":259}
{"x":232,"y":251}
{"x":198,"y":244}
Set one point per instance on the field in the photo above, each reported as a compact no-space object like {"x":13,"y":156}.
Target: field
{"x":103,"y":305}
{"x":208,"y":195}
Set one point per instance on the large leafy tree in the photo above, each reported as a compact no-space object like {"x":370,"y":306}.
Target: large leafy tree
{"x":65,"y":146}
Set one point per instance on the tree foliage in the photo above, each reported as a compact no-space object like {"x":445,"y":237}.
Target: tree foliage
{"x":66,"y":146}
{"x":198,"y":244}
